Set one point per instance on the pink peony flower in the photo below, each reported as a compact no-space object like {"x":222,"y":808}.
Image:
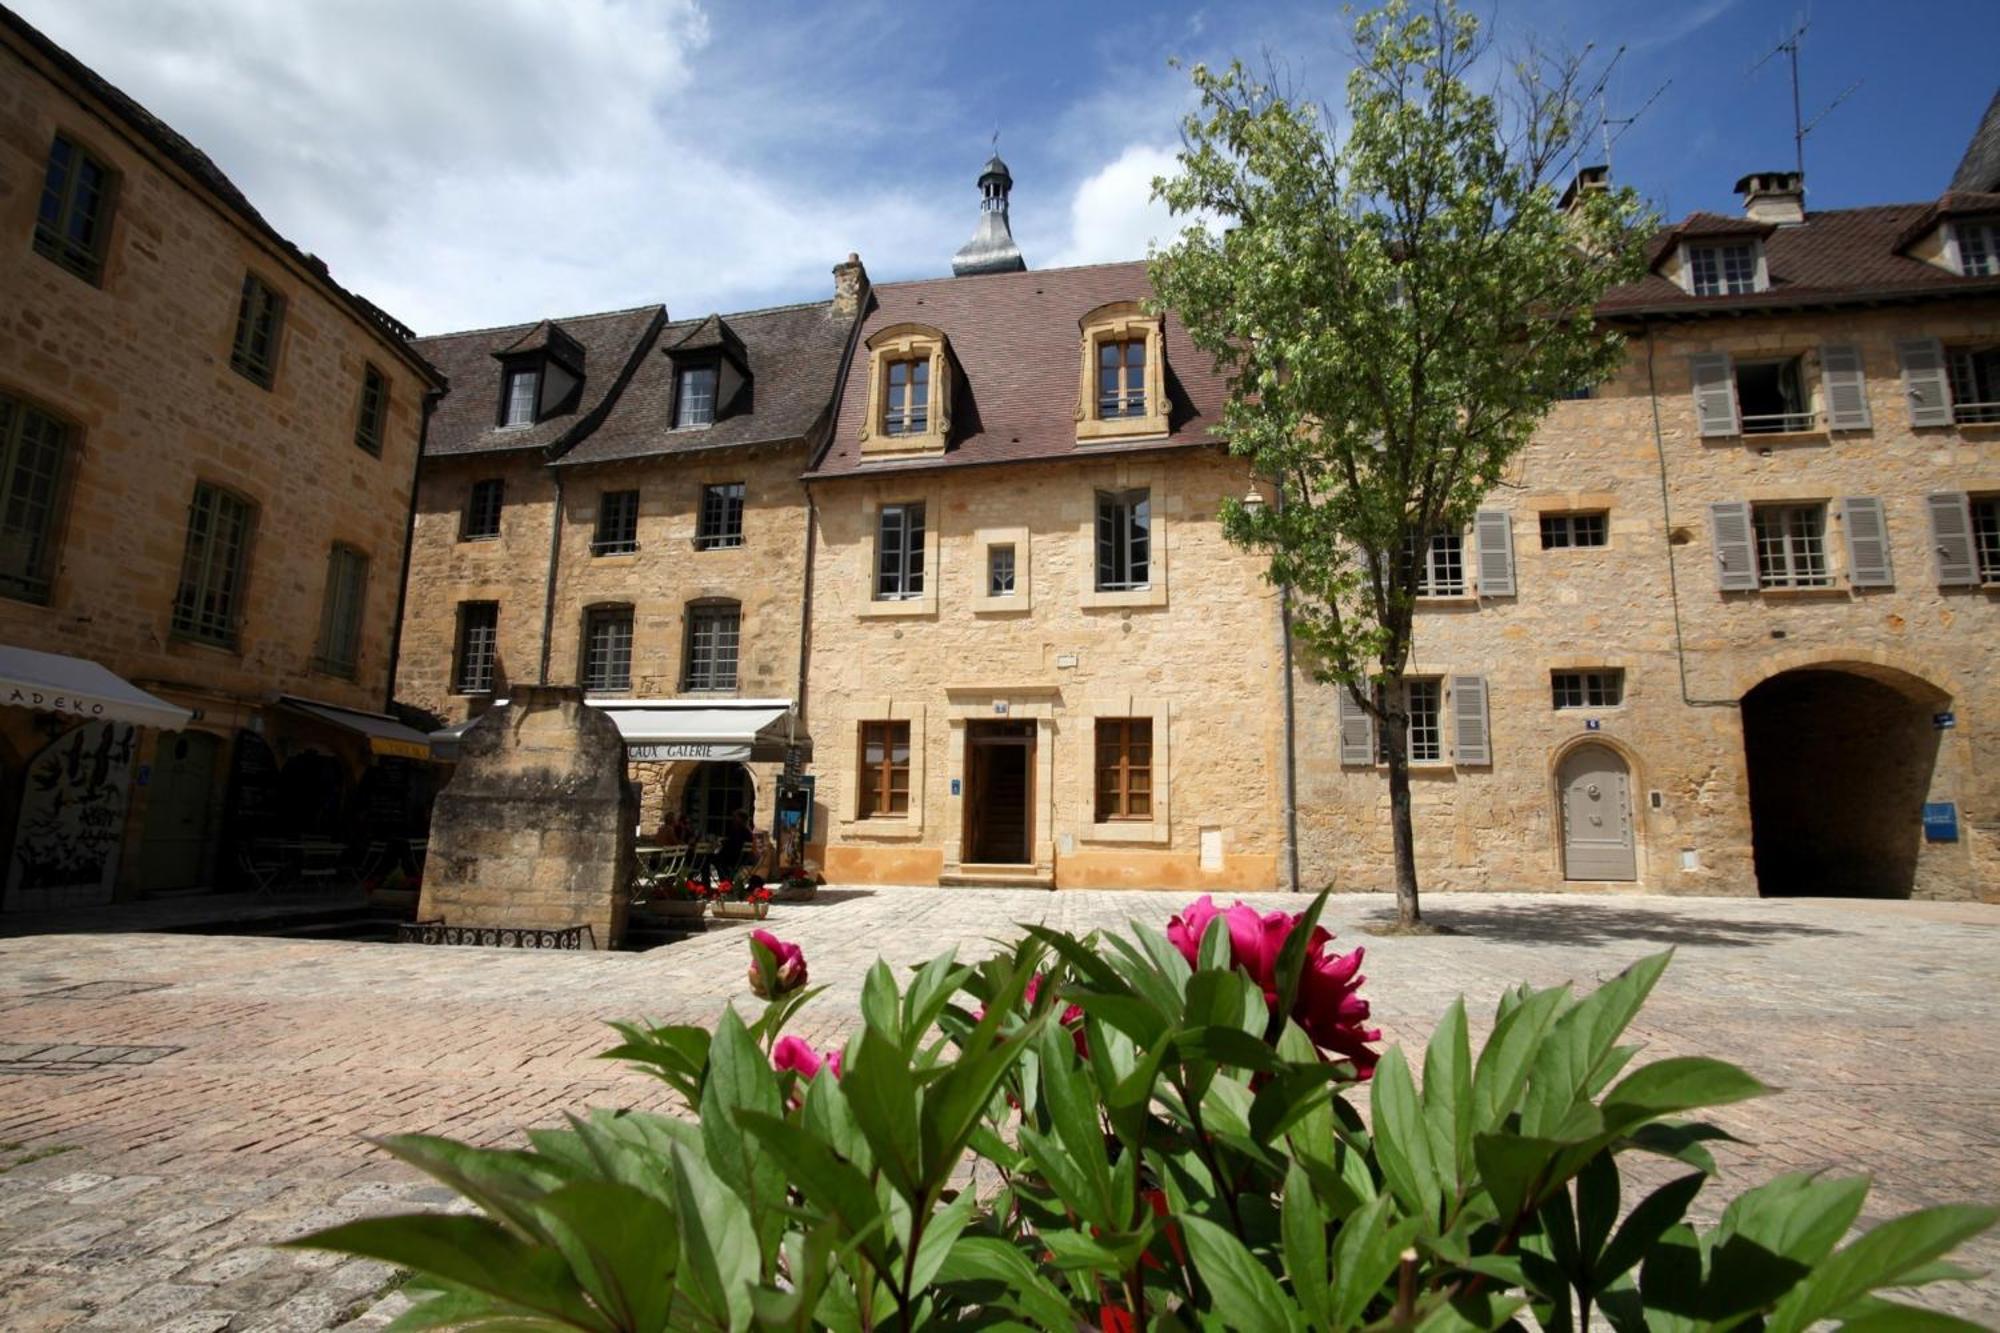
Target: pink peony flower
{"x":1072,"y":1015}
{"x":797,"y":1055}
{"x":783,"y":974}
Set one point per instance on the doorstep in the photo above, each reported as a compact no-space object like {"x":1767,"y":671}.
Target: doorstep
{"x":1000,"y":877}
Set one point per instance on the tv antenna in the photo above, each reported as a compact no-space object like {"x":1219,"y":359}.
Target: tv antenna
{"x":1624,"y":123}
{"x":1801,"y":127}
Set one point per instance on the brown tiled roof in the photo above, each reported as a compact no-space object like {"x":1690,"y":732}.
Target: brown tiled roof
{"x":793,"y":356}
{"x":466,"y":419}
{"x":1838,"y":257}
{"x":163,"y":139}
{"x":1016,"y":338}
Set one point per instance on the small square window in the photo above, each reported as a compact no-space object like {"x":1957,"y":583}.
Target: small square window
{"x":1578,"y":529}
{"x":617,"y":524}
{"x":721,"y":522}
{"x":260,"y":316}
{"x":482,"y":510}
{"x":1000,"y":571}
{"x":524,"y":387}
{"x":694,"y":397}
{"x":1587,"y":689}
{"x":1772,"y":398}
{"x":1724,"y":270}
{"x":1791,"y":546}
{"x":74,"y":218}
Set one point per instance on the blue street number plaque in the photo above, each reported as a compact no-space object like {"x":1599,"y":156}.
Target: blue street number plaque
{"x":954,"y":786}
{"x":1940,"y":821}
{"x":1944,"y":721}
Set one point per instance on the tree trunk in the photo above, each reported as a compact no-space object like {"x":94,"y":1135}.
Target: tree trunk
{"x":1396,"y":726}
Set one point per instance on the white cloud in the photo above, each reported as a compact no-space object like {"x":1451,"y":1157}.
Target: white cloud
{"x":1113,"y":215}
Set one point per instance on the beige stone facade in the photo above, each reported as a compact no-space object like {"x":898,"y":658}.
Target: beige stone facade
{"x":132,"y":355}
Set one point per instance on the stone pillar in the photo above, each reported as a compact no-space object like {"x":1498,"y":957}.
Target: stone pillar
{"x":535,"y":827}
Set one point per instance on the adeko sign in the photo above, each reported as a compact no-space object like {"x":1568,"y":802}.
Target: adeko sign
{"x":658,"y":751}
{"x":55,"y":703}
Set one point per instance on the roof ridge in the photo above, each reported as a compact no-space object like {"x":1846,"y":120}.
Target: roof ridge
{"x":1019,"y":274}
{"x":745,"y":314}
{"x":526,"y":325}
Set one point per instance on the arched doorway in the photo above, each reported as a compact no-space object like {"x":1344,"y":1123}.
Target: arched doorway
{"x":1594,"y":795}
{"x":174,"y":852}
{"x":713,"y":790}
{"x":1839,"y":764}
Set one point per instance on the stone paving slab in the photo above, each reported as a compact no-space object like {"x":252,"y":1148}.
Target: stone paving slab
{"x":173,"y":1173}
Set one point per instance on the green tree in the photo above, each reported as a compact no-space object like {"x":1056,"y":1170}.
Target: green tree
{"x":1397,"y":301}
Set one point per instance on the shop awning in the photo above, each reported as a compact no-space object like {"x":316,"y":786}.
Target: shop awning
{"x":685,"y":729}
{"x":384,"y":734}
{"x":77,"y":687}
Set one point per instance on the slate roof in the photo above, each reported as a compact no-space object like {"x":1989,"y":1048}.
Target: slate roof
{"x":793,"y":355}
{"x":163,"y":139}
{"x":1979,"y":169}
{"x":465,"y":421}
{"x":1017,"y":340}
{"x":1839,"y":257}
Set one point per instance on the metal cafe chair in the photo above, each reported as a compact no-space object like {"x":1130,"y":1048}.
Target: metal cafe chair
{"x":262,"y":864}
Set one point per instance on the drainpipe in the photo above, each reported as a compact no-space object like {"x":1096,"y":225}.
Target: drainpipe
{"x":409,"y":542}
{"x":549,"y":589}
{"x":1667,"y":518}
{"x":805,"y":616}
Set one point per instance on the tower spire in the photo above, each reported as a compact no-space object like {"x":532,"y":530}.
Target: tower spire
{"x":992,"y":248}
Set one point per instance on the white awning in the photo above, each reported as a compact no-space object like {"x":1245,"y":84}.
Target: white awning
{"x":672,"y":730}
{"x":77,"y":687}
{"x":384,"y":734}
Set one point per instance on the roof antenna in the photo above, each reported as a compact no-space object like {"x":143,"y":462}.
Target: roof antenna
{"x":1624,"y":123}
{"x":1800,"y":126}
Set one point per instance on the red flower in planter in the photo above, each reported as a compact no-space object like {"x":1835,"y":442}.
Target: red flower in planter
{"x":1328,"y":1005}
{"x":784,"y":973}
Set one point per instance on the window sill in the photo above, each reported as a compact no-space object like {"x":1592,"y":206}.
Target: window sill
{"x":482,"y":537}
{"x":887,"y":826}
{"x":1156,"y":595}
{"x":1831,"y":590}
{"x":691,"y":426}
{"x":1121,"y":430}
{"x":182,"y":640}
{"x":905,"y":608}
{"x":614,"y":555}
{"x":1153,"y":831}
{"x":1011,"y":605}
{"x":712,"y":544}
{"x":1983,"y":429}
{"x":1448,"y":599}
{"x":1759,"y":439}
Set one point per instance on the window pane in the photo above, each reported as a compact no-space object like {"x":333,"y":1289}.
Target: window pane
{"x":721,"y":516}
{"x":482,"y":509}
{"x":1986,"y":537}
{"x":522,"y":389}
{"x":32,"y":447}
{"x":374,"y":410}
{"x":999,"y":571}
{"x":713,"y":637}
{"x":258,"y":313}
{"x":694,"y":402}
{"x":478,"y":642}
{"x":607,"y":663}
{"x":71,"y":217}
{"x":206,"y":601}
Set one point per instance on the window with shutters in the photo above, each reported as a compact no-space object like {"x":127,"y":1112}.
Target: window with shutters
{"x":340,"y":612}
{"x":899,"y":553}
{"x":694,"y":396}
{"x":1723,"y":270}
{"x":1978,"y":248}
{"x":521,"y":396}
{"x":1985,"y":514}
{"x":373,"y":416}
{"x":607,"y":648}
{"x":1562,"y":531}
{"x":478,"y":647}
{"x":1000,"y":571}
{"x":260,"y":317}
{"x":73,"y":221}
{"x":1424,"y":698}
{"x":1124,"y":540}
{"x":482,"y":510}
{"x":617,"y":524}
{"x":1124,"y":769}
{"x":1974,"y":375}
{"x":209,"y":600}
{"x":714,"y":630}
{"x":1791,"y":546}
{"x":885,"y":770}
{"x":1603,"y":688}
{"x":34,"y":447}
{"x":721,"y":522}
{"x":1439,"y":564}
{"x":1771,"y":397}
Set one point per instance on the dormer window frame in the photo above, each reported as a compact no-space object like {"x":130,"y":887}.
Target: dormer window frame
{"x":693,"y":365}
{"x":1986,"y":233}
{"x":1127,"y":323}
{"x":894,"y":435}
{"x":511,"y":372}
{"x":1760,"y":275}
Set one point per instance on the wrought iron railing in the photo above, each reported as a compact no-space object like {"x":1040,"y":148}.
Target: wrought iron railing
{"x":1778,"y":423}
{"x":498,"y":937}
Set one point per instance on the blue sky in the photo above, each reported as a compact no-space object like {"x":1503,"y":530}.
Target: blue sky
{"x":477,"y":162}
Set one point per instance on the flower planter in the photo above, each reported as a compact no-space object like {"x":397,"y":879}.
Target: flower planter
{"x":742,"y":911}
{"x":803,"y":893}
{"x":681,"y":907}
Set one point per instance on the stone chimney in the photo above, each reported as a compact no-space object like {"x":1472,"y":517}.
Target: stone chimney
{"x":1589,"y":180}
{"x":1773,"y":196}
{"x":850,"y":285}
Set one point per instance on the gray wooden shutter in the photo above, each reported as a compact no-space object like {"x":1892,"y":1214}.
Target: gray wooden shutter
{"x":1951,"y":534}
{"x":729,"y":382}
{"x":1494,"y":529}
{"x":1357,"y":731}
{"x":1846,"y":388}
{"x":1715,"y":394}
{"x":1924,"y":382}
{"x":1867,"y":543}
{"x":1735,"y":547}
{"x":1471,"y":745}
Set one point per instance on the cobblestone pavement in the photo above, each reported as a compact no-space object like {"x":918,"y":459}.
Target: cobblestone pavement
{"x":171,"y":1105}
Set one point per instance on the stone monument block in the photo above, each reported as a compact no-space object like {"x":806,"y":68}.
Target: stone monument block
{"x":535,"y":827}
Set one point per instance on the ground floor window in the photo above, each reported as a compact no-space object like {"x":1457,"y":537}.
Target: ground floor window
{"x":1588,"y":689}
{"x":885,"y":769}
{"x":714,"y":792}
{"x":1124,"y":768}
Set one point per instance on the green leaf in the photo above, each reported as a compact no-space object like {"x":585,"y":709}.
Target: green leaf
{"x":883,"y":1097}
{"x":1882,"y":1258}
{"x":468,"y":1252}
{"x":834,"y":1187}
{"x":1502,"y":1071}
{"x":740,"y":1078}
{"x":1580,"y":1041}
{"x":1020,"y":1287}
{"x":1895,"y":1317}
{"x":718,"y":1245}
{"x":1067,"y":1094}
{"x":880,"y":1008}
{"x":1365,"y":1252}
{"x":1448,"y":1097}
{"x":1214,"y":953}
{"x":1512,"y":1168}
{"x":1292,"y":954}
{"x":501,"y":1181}
{"x":620,"y":1243}
{"x":1667,"y":1087}
{"x":1231,"y":1047}
{"x":1304,"y":1229}
{"x":1643,"y":1228}
{"x":1242,"y":1291}
{"x":952,"y":1106}
{"x":1402,"y":1144}
{"x":1682,"y":1142}
{"x":1772,"y":1236}
{"x":1596,"y":1208}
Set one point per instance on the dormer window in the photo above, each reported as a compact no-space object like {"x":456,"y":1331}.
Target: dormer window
{"x":1978,"y":248}
{"x":541,"y":375}
{"x":1723,"y":270}
{"x":909,"y":392}
{"x":524,"y":388}
{"x":1122,"y":391}
{"x":694,"y":396}
{"x":907,"y":406}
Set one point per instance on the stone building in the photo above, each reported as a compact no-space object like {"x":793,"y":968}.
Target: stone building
{"x":207,"y":457}
{"x":1732,"y":623}
{"x":613,"y":501}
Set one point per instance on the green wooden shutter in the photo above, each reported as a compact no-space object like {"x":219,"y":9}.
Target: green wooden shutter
{"x":1846,"y":388}
{"x":1357,"y":731}
{"x":1472,"y":744}
{"x":1868,"y":563}
{"x":1924,"y":382}
{"x":1715,"y":394}
{"x":1951,"y":535}
{"x":1735,"y":546}
{"x":1494,"y":529}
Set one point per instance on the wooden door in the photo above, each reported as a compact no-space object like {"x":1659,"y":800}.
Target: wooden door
{"x":174,"y":851}
{"x":1597,"y":815}
{"x":999,"y":768}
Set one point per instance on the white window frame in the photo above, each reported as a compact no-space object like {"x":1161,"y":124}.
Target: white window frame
{"x":1440,"y":553}
{"x":1961,"y":374}
{"x":1984,"y":511}
{"x":517,"y":411}
{"x":1725,"y":283}
{"x":1566,"y":521}
{"x":911,"y":565}
{"x":1430,"y":736}
{"x":1985,"y":262}
{"x":1587,"y":687}
{"x":1789,"y":542}
{"x":694,"y":409}
{"x":1129,"y":543}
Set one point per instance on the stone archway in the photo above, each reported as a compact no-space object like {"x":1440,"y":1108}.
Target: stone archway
{"x":1840,"y":757}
